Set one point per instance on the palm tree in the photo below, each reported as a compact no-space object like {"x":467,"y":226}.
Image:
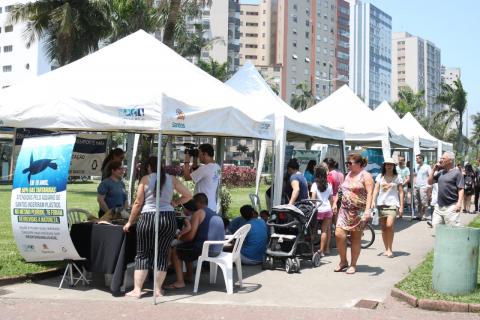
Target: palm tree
{"x":475,"y":138}
{"x":191,"y":44}
{"x":71,"y":29}
{"x":409,"y":101}
{"x":128,"y":16}
{"x":304,"y":99}
{"x":215,"y":69}
{"x":456,"y":100}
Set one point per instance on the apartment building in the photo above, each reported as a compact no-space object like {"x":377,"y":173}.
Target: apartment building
{"x":370,"y":64}
{"x":220,"y":22}
{"x":449,"y":75}
{"x":18,"y":61}
{"x":342,"y":56}
{"x":416,"y":63}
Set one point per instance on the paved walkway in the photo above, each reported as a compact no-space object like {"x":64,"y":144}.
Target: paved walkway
{"x":265,"y":292}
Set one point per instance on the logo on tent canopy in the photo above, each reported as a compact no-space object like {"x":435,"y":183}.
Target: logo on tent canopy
{"x":133,"y":113}
{"x":180,"y":118}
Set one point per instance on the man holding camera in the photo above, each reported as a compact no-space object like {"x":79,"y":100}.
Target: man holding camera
{"x":450,"y":190}
{"x":205,"y":177}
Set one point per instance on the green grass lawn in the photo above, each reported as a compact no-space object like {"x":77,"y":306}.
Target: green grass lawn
{"x":419,"y":281}
{"x":78,"y":196}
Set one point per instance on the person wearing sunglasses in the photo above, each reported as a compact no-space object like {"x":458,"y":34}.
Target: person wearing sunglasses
{"x":355,"y":210}
{"x":111,"y":192}
{"x":116,"y":154}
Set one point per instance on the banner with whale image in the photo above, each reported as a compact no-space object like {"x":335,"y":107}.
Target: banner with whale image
{"x":39,"y":199}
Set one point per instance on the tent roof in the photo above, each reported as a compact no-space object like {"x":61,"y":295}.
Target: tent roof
{"x":134,"y":84}
{"x":344,"y":109}
{"x":415,"y":128}
{"x":393,"y":121}
{"x":250,"y":82}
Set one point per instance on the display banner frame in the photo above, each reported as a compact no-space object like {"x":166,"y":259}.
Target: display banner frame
{"x":39,"y":199}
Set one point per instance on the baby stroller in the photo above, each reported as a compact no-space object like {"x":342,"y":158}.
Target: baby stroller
{"x":293,"y":236}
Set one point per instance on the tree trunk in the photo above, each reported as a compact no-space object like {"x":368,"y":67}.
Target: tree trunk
{"x":460,"y":137}
{"x":169,"y":32}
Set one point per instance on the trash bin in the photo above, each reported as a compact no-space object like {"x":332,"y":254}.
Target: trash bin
{"x":455,"y":261}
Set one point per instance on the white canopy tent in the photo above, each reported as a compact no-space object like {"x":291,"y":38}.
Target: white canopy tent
{"x":136,"y":84}
{"x":385,"y":112}
{"x":289,"y":125}
{"x":362,"y":126}
{"x":425,"y":139}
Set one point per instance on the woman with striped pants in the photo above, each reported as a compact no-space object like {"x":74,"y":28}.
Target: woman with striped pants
{"x":145,"y":206}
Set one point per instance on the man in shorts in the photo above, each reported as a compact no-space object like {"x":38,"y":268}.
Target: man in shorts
{"x":421,"y":187}
{"x":450,"y":191}
{"x":404,"y":173}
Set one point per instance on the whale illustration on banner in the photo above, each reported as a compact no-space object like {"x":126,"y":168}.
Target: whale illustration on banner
{"x":38,"y":166}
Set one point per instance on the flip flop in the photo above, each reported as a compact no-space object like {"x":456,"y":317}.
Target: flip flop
{"x":341,"y":268}
{"x":172,"y":286}
{"x":131,"y":294}
{"x":351,"y":270}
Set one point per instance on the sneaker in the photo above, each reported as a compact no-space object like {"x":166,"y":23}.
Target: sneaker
{"x":429,"y":223}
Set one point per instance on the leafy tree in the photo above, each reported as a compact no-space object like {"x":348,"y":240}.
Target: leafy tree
{"x":71,"y":29}
{"x":409,"y":101}
{"x":304,"y":98}
{"x":191,"y":44}
{"x":475,"y":137}
{"x":215,"y":69}
{"x":242,"y":148}
{"x":455,"y":98}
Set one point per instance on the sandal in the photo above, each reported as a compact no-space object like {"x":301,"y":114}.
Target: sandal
{"x":341,"y":268}
{"x":351,"y":270}
{"x":173,"y":286}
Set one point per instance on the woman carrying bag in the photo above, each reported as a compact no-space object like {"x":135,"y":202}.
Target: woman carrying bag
{"x":388,"y":193}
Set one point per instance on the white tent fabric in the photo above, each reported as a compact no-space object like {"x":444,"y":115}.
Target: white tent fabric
{"x":394,"y":122}
{"x":288,"y":122}
{"x":135,"y":84}
{"x":344,"y":109}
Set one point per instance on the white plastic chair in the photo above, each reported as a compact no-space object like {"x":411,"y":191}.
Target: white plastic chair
{"x":77,"y":215}
{"x":225,"y":260}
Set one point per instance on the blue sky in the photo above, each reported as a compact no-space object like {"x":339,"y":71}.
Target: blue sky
{"x":453,"y":26}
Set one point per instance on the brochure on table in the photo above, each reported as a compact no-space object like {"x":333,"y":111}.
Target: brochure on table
{"x":39,"y":199}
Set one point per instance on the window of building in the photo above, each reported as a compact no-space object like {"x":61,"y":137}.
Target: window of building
{"x":325,"y":27}
{"x":294,"y":31}
{"x":264,"y":11}
{"x":9,"y":28}
{"x":307,"y":23}
{"x":294,"y":81}
{"x":294,"y":56}
{"x":0,"y":9}
{"x":251,"y":35}
{"x":252,"y":13}
{"x":241,"y":13}
{"x":27,"y":66}
{"x":294,"y":43}
{"x":7,"y":68}
{"x":307,"y":48}
{"x":251,"y":24}
{"x":263,"y":58}
{"x":251,"y":57}
{"x":251,"y":46}
{"x":294,"y":19}
{"x":8,"y":48}
{"x":263,"y":35}
{"x":307,"y":34}
{"x":263,"y":23}
{"x":295,"y":7}
{"x":307,"y":59}
{"x":8,"y":8}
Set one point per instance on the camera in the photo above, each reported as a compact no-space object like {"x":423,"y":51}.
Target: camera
{"x":191,"y":149}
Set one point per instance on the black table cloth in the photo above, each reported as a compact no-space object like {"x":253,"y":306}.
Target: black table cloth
{"x":107,"y":249}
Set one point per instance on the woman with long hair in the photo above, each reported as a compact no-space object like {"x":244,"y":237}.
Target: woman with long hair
{"x":388,"y":193}
{"x":116,"y":154}
{"x":322,"y":190}
{"x":145,"y":206}
{"x":354,"y":212}
{"x":111,"y":192}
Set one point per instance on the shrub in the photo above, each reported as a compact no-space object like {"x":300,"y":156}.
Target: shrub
{"x":225,"y":200}
{"x":233,"y":176}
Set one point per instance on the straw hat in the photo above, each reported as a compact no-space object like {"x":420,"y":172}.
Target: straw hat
{"x":389,"y":160}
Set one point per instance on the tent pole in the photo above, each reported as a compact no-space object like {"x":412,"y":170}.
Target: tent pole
{"x":412,"y":189}
{"x":157,"y":213}
{"x":343,"y":156}
{"x":220,"y":155}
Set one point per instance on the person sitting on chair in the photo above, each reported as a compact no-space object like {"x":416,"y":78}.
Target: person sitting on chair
{"x":204,"y":225}
{"x":111,"y":191}
{"x":255,"y":243}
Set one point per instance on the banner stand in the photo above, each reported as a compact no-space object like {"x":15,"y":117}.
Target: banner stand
{"x":70,"y":273}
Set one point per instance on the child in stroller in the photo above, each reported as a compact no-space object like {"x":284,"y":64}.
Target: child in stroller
{"x":293,"y":232}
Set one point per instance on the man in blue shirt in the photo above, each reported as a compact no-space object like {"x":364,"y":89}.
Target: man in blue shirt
{"x":255,"y":243}
{"x":297,"y":181}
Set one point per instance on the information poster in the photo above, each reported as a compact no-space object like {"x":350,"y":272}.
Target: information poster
{"x":39,"y":199}
{"x":375,"y":161}
{"x":88,"y":152}
{"x":304,"y":156}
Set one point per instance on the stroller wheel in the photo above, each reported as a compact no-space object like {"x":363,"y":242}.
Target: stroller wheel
{"x":316,"y":259}
{"x":289,"y":266}
{"x":267,"y":263}
{"x":296,"y":263}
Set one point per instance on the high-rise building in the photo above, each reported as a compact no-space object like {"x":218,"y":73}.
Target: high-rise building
{"x":220,"y":22}
{"x":342,"y":44}
{"x":449,"y":75}
{"x":416,"y":63}
{"x":18,"y":61}
{"x":370,"y":53}
{"x":305,"y":46}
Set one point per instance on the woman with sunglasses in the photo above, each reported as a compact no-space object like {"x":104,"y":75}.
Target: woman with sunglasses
{"x":111,"y":191}
{"x":116,"y":154}
{"x":389,"y":194}
{"x":354,"y":212}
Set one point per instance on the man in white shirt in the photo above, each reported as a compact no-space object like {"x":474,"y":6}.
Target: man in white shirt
{"x":207,"y":176}
{"x":422,"y":189}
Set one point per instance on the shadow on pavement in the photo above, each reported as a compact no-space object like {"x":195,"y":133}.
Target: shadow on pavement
{"x":375,"y":271}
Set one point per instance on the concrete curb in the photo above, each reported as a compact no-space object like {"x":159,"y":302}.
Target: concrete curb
{"x":434,"y":305}
{"x":31,"y":276}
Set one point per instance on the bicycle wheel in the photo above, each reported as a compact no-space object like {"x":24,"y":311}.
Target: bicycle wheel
{"x":368,"y":236}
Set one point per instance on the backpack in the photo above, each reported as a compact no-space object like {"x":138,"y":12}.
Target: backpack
{"x":469,"y":182}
